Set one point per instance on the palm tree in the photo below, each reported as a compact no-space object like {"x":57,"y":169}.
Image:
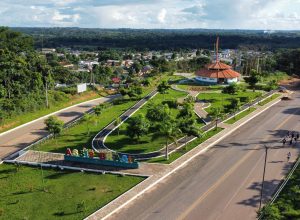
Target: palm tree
{"x":216,"y":114}
{"x":163,"y":87}
{"x":170,"y":131}
{"x":188,"y":127}
{"x":116,"y":123}
{"x":89,"y":119}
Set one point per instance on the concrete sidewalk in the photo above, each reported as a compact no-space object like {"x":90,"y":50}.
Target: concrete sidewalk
{"x":154,"y":179}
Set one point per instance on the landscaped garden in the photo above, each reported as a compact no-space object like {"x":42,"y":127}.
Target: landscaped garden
{"x":221,"y":100}
{"x":120,"y":141}
{"x":32,"y":193}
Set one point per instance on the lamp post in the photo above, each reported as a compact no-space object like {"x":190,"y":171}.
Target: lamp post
{"x":263,"y":180}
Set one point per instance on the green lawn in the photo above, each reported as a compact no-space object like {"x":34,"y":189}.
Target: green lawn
{"x":240,"y":115}
{"x":27,"y":117}
{"x":22,"y":194}
{"x":219,"y":100}
{"x":77,"y":136}
{"x":186,"y":149}
{"x":146,"y":143}
{"x":271,"y":98}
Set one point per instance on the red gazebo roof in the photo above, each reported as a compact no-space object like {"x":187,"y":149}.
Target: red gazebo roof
{"x":217,"y":70}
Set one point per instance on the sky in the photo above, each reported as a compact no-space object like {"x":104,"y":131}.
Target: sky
{"x":216,"y":14}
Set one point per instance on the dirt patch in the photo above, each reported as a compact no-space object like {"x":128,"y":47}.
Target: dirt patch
{"x":290,"y":83}
{"x":6,"y":126}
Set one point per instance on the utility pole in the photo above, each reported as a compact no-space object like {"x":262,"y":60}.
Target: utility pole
{"x":263,"y":180}
{"x":257,"y":67}
{"x":47,"y":101}
{"x":92,"y":77}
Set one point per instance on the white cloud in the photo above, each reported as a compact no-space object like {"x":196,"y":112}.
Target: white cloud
{"x":162,"y":15}
{"x":241,"y":14}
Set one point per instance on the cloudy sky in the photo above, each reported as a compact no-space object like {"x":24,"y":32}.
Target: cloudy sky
{"x":225,"y":14}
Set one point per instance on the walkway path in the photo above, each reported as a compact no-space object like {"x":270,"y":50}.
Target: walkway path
{"x":98,"y":140}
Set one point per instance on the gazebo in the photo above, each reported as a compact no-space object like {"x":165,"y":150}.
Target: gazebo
{"x":217,"y":72}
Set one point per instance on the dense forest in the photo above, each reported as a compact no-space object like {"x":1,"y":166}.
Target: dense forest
{"x":25,"y":76}
{"x":160,"y":39}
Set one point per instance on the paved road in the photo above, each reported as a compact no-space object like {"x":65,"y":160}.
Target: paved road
{"x":98,"y":142}
{"x":224,"y":183}
{"x":24,"y":136}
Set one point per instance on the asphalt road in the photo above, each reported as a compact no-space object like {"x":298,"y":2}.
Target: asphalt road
{"x":24,"y":136}
{"x":224,"y":183}
{"x":99,"y":139}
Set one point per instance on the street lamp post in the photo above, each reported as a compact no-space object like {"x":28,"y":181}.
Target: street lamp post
{"x":263,"y":180}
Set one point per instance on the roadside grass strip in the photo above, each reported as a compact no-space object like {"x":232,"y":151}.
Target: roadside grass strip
{"x":32,"y":193}
{"x":240,"y":115}
{"x":267,"y":100}
{"x":184,"y":149}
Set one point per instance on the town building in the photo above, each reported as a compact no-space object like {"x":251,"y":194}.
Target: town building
{"x":217,"y":72}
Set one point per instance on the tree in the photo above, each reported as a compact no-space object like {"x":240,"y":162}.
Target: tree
{"x":170,"y":131}
{"x":216,"y":114}
{"x":253,"y":79}
{"x":270,"y":212}
{"x":235,"y":105}
{"x":137,"y":126}
{"x":187,"y":110}
{"x":231,"y":89}
{"x":116,"y":123}
{"x":99,"y":109}
{"x":158,"y":112}
{"x":54,"y":125}
{"x":187,"y":125}
{"x":89,"y":119}
{"x":163,"y":87}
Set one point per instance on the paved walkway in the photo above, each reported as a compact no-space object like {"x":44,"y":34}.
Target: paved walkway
{"x":98,"y":140}
{"x":137,"y":191}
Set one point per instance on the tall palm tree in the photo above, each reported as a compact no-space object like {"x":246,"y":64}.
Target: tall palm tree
{"x":170,"y":131}
{"x":216,"y":114}
{"x":89,"y":119}
{"x":116,"y":123}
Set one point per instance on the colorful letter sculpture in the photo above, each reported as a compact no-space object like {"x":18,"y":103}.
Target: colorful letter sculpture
{"x":103,"y":157}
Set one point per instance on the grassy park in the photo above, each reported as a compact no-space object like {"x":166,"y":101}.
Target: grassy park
{"x":219,"y":100}
{"x":59,"y":194}
{"x":119,"y":141}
